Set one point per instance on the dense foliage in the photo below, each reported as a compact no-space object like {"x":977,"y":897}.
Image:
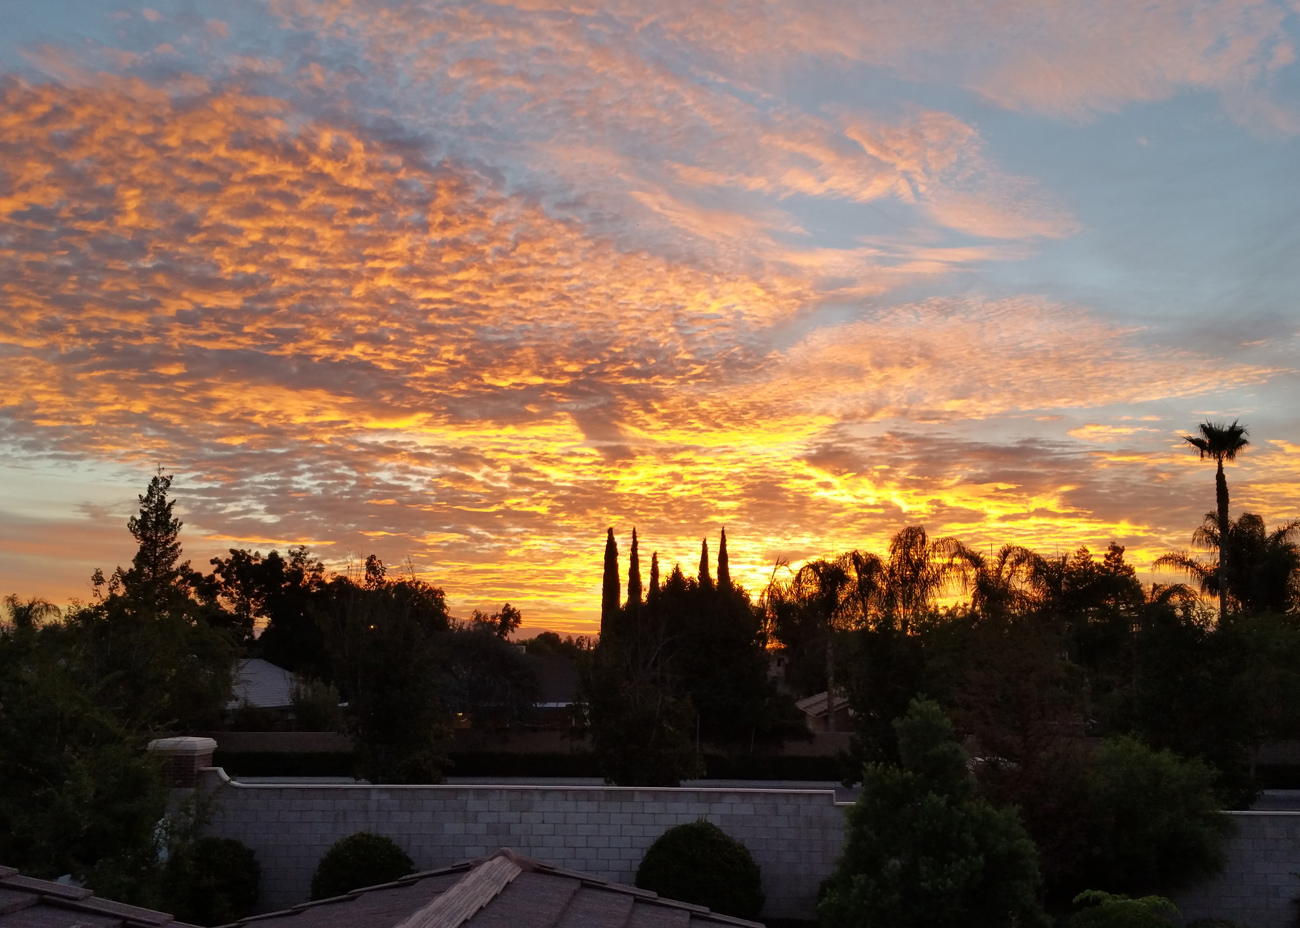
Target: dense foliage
{"x":1107,"y":910}
{"x":1155,"y":821}
{"x":77,"y":793}
{"x":684,"y":666}
{"x":361,"y":859}
{"x":211,"y":881}
{"x":81,"y":697}
{"x":153,"y":653}
{"x":923,"y":850}
{"x":698,"y":862}
{"x":1047,"y":659}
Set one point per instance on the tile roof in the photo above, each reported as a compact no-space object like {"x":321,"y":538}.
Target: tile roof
{"x":503,"y":890}
{"x":26,"y":902}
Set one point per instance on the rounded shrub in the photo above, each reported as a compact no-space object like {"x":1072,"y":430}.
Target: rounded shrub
{"x":1104,"y":910}
{"x":211,"y":881}
{"x":362,"y":859}
{"x":700,"y":863}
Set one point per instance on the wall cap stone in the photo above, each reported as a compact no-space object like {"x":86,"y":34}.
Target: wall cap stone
{"x":186,"y":744}
{"x":520,"y":787}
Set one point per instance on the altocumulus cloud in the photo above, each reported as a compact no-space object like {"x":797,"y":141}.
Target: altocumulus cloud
{"x":470,"y":282}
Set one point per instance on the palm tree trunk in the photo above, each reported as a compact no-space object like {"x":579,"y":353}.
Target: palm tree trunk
{"x":1221,"y":495}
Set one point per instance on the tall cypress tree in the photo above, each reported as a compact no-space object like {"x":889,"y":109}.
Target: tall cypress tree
{"x":634,"y":575}
{"x":609,"y":589}
{"x":705,"y":581}
{"x":724,"y":570}
{"x":654,"y":577}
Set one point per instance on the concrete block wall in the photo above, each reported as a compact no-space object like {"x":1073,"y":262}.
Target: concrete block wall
{"x":1260,"y":878}
{"x":794,"y":835}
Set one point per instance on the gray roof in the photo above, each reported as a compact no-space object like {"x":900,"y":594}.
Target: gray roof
{"x":262,"y":684}
{"x":815,"y":705}
{"x":26,"y":902}
{"x":503,"y":890}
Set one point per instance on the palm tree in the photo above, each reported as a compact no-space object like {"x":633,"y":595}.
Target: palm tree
{"x":819,"y":595}
{"x":1220,"y":442}
{"x":1000,"y":584}
{"x":915,"y":573}
{"x":1265,"y":565}
{"x":29,"y":614}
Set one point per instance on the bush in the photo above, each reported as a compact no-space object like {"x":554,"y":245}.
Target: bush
{"x":1156,"y":822}
{"x":700,"y":863}
{"x":362,"y":859}
{"x":211,"y":881}
{"x":922,"y":850}
{"x":1107,"y":911}
{"x":316,"y":707}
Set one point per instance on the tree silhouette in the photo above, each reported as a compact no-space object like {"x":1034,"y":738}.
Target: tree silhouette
{"x":914,"y":574}
{"x":503,"y":622}
{"x":902,"y":587}
{"x":654,"y":577}
{"x":999,"y":584}
{"x":724,"y":568}
{"x":1220,"y":442}
{"x":634,"y":576}
{"x":160,"y":645}
{"x":1255,"y":569}
{"x":156,"y":581}
{"x":704,"y":580}
{"x":30,"y":614}
{"x":609,"y":588}
{"x":818,"y":596}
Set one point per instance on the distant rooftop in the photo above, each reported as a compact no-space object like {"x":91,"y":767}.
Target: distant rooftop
{"x":261,"y":684}
{"x":502,"y":890}
{"x":26,"y":902}
{"x":816,"y":705}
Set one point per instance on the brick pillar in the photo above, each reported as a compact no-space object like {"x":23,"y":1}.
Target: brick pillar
{"x":183,"y":758}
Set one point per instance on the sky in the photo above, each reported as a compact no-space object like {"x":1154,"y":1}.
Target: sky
{"x":464,"y":284}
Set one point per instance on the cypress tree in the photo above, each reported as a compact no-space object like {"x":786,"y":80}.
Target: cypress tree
{"x":634,"y":575}
{"x":724,"y":570}
{"x":609,"y":589}
{"x":705,"y":582}
{"x":654,"y":577}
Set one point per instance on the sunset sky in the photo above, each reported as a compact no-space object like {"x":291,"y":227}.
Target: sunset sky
{"x":466,"y":283}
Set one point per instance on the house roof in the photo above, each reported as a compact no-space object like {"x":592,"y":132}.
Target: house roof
{"x":502,"y":890}
{"x":26,"y":902}
{"x":261,"y":684}
{"x":815,"y":705}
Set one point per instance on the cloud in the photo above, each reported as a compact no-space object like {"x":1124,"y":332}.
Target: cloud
{"x":947,"y":359}
{"x":673,"y":136}
{"x":1069,"y":60}
{"x":469,"y":283}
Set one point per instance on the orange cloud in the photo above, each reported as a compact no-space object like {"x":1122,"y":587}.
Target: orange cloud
{"x":1072,"y":60}
{"x":332,"y":338}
